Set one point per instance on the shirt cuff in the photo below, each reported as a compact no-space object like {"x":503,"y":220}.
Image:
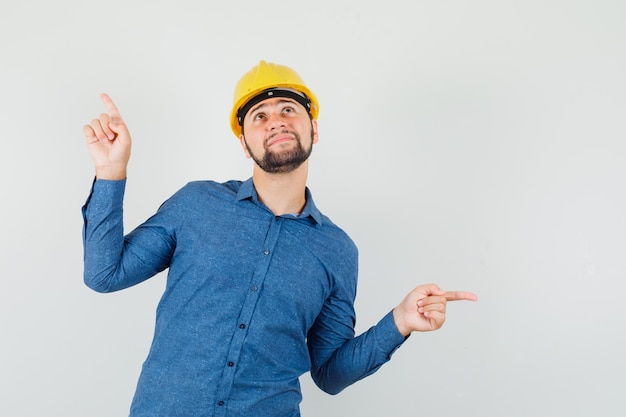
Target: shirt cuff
{"x":105,"y":194}
{"x":387,"y":335}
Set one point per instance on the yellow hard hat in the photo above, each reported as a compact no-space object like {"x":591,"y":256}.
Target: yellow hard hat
{"x":269,"y":80}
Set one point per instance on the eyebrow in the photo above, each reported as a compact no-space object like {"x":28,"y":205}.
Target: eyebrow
{"x":264,"y":103}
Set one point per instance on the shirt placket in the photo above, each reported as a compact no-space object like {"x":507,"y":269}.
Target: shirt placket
{"x":245,"y":316}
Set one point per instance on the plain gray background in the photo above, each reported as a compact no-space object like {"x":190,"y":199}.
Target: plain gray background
{"x":476,"y":144}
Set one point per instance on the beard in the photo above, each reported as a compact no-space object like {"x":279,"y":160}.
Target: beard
{"x":286,"y":161}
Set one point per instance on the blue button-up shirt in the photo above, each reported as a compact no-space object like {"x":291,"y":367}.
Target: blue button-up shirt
{"x":252,"y":300}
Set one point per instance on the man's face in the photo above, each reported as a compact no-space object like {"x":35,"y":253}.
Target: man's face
{"x":278,"y":134}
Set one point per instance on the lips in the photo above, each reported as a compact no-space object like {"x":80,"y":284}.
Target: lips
{"x":280,"y":137}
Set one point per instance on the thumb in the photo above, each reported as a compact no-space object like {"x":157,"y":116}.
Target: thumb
{"x":430,"y":289}
{"x":118,"y":127}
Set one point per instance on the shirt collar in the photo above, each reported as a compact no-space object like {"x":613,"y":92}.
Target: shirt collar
{"x":247,"y":191}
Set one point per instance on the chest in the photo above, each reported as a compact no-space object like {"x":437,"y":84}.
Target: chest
{"x":223,"y":260}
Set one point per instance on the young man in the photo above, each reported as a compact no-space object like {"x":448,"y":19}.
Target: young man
{"x":261,"y":284}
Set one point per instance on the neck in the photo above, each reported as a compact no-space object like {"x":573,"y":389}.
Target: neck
{"x":282,"y":193}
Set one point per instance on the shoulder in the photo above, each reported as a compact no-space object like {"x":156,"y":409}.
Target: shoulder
{"x":207,"y":188}
{"x":326,"y":239}
{"x":202,"y":193}
{"x":324,"y":233}
{"x":335,"y":235}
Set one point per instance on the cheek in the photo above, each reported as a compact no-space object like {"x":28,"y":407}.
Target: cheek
{"x":242,"y":142}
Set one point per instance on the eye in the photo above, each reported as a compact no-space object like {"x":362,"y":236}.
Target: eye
{"x":258,"y":116}
{"x":288,"y":109}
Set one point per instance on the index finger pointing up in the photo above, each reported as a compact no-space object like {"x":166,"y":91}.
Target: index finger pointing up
{"x":460,"y":295}
{"x":111,"y":107}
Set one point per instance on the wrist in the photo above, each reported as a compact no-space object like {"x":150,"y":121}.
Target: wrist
{"x":109,"y":173}
{"x":398,"y":319}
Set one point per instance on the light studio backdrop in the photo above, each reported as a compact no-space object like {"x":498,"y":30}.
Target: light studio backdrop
{"x":476,"y":144}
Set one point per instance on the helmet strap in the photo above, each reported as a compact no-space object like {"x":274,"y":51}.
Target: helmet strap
{"x":271,"y":93}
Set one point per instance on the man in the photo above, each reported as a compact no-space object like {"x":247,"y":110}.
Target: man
{"x":261,"y":284}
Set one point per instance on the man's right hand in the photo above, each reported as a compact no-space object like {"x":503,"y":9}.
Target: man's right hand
{"x":108,"y":141}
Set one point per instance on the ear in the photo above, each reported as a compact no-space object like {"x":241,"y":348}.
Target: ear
{"x":314,"y":127}
{"x":242,"y":142}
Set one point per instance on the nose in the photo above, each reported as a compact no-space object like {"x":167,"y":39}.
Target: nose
{"x":275,"y":121}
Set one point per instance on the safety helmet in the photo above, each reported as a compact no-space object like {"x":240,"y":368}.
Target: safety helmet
{"x":269,"y":80}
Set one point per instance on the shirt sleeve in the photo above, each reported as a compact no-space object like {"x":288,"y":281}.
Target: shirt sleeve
{"x":113,"y":261}
{"x":338,"y":358}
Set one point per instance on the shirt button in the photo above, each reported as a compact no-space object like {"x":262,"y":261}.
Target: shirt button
{"x":266,"y":252}
{"x":242,"y":326}
{"x":220,"y":403}
{"x":231,"y":364}
{"x":254,"y":288}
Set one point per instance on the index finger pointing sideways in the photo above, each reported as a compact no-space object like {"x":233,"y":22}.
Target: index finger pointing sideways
{"x":111,"y":107}
{"x":460,"y":295}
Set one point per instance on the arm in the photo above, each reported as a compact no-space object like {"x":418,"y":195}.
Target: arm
{"x":339,"y":359}
{"x":113,"y":261}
